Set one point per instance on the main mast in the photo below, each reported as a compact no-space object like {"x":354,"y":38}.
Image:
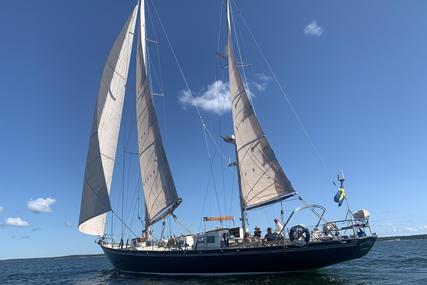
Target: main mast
{"x":243,"y":215}
{"x":262,"y":180}
{"x":232,"y":140}
{"x":143,"y":43}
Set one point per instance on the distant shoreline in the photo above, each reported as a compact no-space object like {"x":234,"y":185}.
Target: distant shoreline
{"x":412,"y":237}
{"x":56,"y":257}
{"x":389,"y":238}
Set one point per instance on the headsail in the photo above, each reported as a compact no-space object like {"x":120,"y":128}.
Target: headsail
{"x":104,"y":134}
{"x":263,"y":180}
{"x":160,"y":194}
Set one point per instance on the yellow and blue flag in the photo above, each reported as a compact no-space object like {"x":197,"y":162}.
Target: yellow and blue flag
{"x":340,"y":196}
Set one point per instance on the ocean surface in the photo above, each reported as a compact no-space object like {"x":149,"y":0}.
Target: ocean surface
{"x":389,"y":262}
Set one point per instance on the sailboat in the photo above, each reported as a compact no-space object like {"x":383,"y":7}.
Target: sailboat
{"x":261,"y":180}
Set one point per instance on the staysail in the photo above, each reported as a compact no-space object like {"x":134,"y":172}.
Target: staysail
{"x":160,"y":193}
{"x":95,"y":201}
{"x":263,"y":180}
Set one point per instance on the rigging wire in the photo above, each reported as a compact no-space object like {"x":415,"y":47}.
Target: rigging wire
{"x":212,"y":173}
{"x":169,"y":226}
{"x":220,"y":66}
{"x":112,"y":225}
{"x":241,"y":61}
{"x":123,"y":167}
{"x":233,"y":187}
{"x":224,"y":157}
{"x":219,"y":110}
{"x":179,"y":66}
{"x":139,"y":208}
{"x":132,"y":216}
{"x":205,"y":197}
{"x":160,"y":73}
{"x":204,"y":126}
{"x":123,"y":223}
{"x":285,"y":96}
{"x":115,"y":214}
{"x":133,"y":201}
{"x":125,"y":144}
{"x":181,"y":224}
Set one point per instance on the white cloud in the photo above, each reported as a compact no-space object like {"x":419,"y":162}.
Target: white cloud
{"x":410,"y":229}
{"x":261,"y":83}
{"x":425,"y":227}
{"x":68,"y":224}
{"x":216,"y":97}
{"x":15,"y":222}
{"x":313,"y":29}
{"x":41,"y":205}
{"x":1,"y":209}
{"x":404,"y":230}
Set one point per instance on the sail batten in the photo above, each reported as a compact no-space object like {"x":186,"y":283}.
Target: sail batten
{"x":100,"y":160}
{"x":263,"y":180}
{"x":159,"y":189}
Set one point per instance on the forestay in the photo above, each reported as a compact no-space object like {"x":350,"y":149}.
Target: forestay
{"x":263,"y":180}
{"x":160,"y":194}
{"x":105,"y":132}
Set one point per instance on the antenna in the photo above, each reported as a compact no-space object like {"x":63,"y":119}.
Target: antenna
{"x":341,"y":178}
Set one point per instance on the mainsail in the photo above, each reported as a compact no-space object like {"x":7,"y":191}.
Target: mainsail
{"x":263,"y":180}
{"x":160,"y":194}
{"x":104,"y":134}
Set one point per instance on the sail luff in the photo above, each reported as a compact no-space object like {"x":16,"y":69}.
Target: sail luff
{"x":159,"y":189}
{"x":143,"y":33}
{"x":95,"y":201}
{"x":263,"y":180}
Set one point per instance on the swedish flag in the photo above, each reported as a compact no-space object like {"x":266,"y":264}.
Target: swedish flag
{"x":340,"y":196}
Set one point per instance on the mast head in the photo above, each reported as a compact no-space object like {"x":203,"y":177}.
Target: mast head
{"x":341,"y":178}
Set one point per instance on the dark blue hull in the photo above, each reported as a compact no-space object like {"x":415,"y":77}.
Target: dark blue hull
{"x":255,"y":260}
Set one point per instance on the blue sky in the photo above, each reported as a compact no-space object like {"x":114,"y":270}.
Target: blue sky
{"x":354,"y":71}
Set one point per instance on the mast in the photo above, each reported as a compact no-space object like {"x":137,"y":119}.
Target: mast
{"x":262,"y":180}
{"x":143,"y":43}
{"x":232,"y":139}
{"x":243,"y":215}
{"x":160,"y":195}
{"x":143,"y":33}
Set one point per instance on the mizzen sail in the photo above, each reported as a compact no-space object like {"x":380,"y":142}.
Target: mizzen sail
{"x":160,"y":193}
{"x":95,"y":201}
{"x":263,"y":180}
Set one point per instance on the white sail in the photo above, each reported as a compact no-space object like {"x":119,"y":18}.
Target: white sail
{"x":160,"y":194}
{"x":105,"y":132}
{"x":143,"y":33}
{"x":263,"y":180}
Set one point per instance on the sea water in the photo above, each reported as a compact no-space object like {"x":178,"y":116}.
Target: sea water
{"x":389,"y":262}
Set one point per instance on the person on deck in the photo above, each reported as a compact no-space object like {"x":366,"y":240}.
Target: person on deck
{"x":257,"y":233}
{"x":246,"y":238}
{"x":279,"y":228}
{"x":270,"y":236}
{"x":226,"y":239}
